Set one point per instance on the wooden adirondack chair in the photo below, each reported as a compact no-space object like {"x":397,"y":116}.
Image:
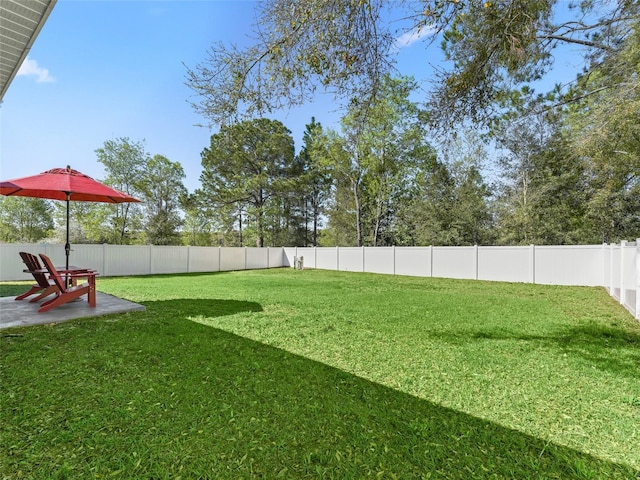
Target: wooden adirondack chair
{"x":43,"y":285}
{"x":65,"y":294}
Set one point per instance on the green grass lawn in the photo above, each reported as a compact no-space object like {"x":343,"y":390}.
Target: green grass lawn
{"x":317,"y":374}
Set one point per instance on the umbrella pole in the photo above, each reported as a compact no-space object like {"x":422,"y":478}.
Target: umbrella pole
{"x":67,"y":245}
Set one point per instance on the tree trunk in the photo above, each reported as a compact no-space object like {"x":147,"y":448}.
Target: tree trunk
{"x":356,"y":198}
{"x":316,"y":214}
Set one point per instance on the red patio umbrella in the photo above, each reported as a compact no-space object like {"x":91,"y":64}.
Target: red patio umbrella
{"x":64,"y":184}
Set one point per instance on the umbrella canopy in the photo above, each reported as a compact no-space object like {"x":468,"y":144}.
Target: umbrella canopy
{"x":64,"y":184}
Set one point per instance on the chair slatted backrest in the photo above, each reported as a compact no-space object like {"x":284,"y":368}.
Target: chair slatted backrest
{"x":53,"y":273}
{"x":33,"y":265}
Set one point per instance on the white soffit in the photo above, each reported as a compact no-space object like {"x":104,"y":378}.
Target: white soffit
{"x":20,"y":24}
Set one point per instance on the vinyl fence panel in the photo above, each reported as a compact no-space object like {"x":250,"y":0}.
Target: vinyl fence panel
{"x":168,"y":259}
{"x":82,"y":255}
{"x":126,"y":260}
{"x":506,"y":264}
{"x":327,"y":258}
{"x":232,"y":258}
{"x":203,"y":259}
{"x":569,"y":265}
{"x":11,"y":264}
{"x":257,"y":258}
{"x":414,"y":261}
{"x":276,"y":257}
{"x":454,"y":262}
{"x":351,"y":259}
{"x":379,"y":260}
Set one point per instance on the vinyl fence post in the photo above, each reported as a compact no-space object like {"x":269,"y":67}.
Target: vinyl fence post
{"x":611,"y":286}
{"x":219,"y":258}
{"x":363,"y":268}
{"x":476,"y":261}
{"x":104,"y":259}
{"x":532,"y":263}
{"x":637,"y":266}
{"x":431,"y":260}
{"x":188,"y":257}
{"x":393,"y":249}
{"x":623,"y":295}
{"x":604,"y":265}
{"x":337,"y":258}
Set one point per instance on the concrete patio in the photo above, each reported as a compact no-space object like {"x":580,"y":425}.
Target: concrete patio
{"x":22,"y":313}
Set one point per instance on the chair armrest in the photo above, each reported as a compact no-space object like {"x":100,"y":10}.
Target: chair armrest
{"x":79,"y":273}
{"x":76,"y":271}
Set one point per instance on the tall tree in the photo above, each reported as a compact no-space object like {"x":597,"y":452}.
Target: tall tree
{"x":466,"y":157}
{"x":379,"y":148}
{"x":346,"y":46}
{"x":246,"y":166}
{"x":542,"y":194}
{"x":430,"y":213}
{"x":88,"y":222}
{"x":315,"y":179}
{"x":198,"y":225}
{"x":124,"y":162}
{"x":25,"y":219}
{"x":163,"y":191}
{"x":604,"y":132}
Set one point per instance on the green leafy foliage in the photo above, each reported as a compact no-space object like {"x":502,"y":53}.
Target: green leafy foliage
{"x":124,"y":162}
{"x":163,"y":191}
{"x":24,"y":219}
{"x":246,"y":167}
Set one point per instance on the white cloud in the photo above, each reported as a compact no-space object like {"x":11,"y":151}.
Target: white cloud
{"x":31,"y":68}
{"x":409,"y":38}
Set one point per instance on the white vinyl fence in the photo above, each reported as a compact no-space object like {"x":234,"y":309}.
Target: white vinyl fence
{"x":615,"y":267}
{"x":116,"y":260}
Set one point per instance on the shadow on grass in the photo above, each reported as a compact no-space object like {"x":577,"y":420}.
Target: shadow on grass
{"x":158,"y":396}
{"x":205,"y":307}
{"x":608,"y":348}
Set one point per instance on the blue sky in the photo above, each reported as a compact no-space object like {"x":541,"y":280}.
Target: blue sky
{"x":101,"y":70}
